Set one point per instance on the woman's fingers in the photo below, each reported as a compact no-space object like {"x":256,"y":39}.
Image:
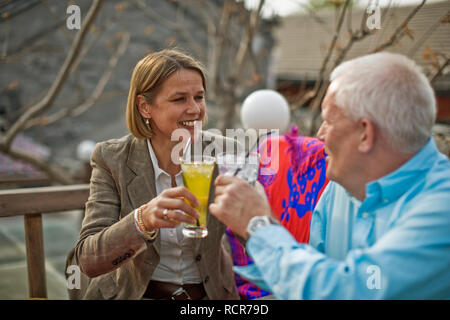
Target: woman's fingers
{"x":165,"y":218}
{"x":178,"y":204}
{"x":177,"y":216}
{"x":181,"y":192}
{"x":171,"y":207}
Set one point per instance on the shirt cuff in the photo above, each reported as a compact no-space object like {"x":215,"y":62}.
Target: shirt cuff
{"x":253,"y":275}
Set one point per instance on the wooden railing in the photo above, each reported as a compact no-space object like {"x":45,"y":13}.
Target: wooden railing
{"x":32,"y":203}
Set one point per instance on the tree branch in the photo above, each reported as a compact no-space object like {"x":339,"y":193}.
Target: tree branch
{"x":181,"y":29}
{"x":400,"y":31}
{"x":216,"y":43}
{"x":426,"y":35}
{"x":433,"y":77}
{"x":245,"y":45}
{"x":314,"y":92}
{"x":54,"y":174}
{"x":354,"y":37}
{"x":333,"y":42}
{"x":55,"y":88}
{"x":76,"y":111}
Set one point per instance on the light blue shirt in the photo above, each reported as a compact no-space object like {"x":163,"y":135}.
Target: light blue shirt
{"x":393,"y":245}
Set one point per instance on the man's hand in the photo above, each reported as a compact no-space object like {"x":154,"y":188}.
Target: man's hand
{"x":236,"y":202}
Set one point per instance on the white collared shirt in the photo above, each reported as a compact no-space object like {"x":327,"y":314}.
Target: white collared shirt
{"x":177,"y":257}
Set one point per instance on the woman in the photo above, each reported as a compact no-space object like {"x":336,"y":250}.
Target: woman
{"x":131,"y":244}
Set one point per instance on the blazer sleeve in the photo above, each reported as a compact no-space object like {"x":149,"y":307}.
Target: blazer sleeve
{"x":106,"y":241}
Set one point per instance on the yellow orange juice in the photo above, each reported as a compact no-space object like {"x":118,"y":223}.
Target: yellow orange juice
{"x":197,"y":178}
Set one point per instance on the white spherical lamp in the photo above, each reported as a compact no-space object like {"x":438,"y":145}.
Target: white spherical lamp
{"x":84,"y":150}
{"x":265,"y":109}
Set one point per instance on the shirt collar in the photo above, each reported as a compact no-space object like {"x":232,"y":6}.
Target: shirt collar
{"x":156,"y":168}
{"x":393,"y":185}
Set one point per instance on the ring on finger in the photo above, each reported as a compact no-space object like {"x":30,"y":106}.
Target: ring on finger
{"x":165,"y":217}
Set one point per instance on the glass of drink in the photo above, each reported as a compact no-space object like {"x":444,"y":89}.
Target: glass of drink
{"x":197,"y":176}
{"x":241,"y":165}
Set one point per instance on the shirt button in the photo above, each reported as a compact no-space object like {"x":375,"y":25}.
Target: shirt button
{"x":206,"y":279}
{"x":386,"y":200}
{"x":198,"y":257}
{"x":365,"y":215}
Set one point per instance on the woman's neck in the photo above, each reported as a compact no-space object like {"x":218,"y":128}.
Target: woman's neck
{"x":163,"y":152}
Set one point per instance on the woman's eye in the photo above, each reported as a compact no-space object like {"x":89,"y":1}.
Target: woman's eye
{"x":178,"y":99}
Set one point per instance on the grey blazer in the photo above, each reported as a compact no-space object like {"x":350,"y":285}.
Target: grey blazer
{"x":119,"y":262}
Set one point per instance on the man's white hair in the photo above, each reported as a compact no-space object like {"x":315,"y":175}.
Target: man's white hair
{"x":392,"y":91}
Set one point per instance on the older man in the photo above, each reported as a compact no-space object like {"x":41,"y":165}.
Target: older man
{"x":381,"y":229}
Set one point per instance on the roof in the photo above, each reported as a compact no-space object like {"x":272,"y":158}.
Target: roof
{"x":303,"y":39}
{"x":13,"y":170}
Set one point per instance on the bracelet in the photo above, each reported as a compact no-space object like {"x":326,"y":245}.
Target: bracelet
{"x":148,"y":235}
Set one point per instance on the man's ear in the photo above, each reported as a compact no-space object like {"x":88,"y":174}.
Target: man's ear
{"x":367,"y":132}
{"x":143,"y":106}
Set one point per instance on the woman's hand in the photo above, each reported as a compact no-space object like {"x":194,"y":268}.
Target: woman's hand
{"x":171,"y":199}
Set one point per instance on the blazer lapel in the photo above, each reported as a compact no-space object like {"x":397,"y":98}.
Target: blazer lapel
{"x":141,"y":187}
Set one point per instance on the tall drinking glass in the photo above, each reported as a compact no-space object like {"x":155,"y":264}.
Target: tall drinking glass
{"x":244,"y":166}
{"x":197,"y":176}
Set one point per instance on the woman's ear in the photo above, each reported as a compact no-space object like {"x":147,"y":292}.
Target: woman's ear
{"x":143,"y":106}
{"x":367,"y":135}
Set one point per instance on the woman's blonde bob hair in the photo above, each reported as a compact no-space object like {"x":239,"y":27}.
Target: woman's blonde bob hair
{"x":148,"y":76}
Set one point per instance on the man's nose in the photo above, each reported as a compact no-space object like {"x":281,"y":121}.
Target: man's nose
{"x":321,"y":132}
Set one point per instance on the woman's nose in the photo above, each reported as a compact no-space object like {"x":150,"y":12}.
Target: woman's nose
{"x":194,"y":106}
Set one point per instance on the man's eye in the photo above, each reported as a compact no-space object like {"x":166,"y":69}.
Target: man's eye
{"x":178,"y":99}
{"x":199,"y":97}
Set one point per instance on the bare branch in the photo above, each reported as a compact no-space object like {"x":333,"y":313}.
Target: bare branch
{"x":333,"y":42}
{"x":93,"y":40}
{"x":400,"y":31}
{"x":433,"y":77}
{"x":349,"y":20}
{"x":31,"y":43}
{"x":76,"y":111}
{"x":47,"y":101}
{"x":313,"y":93}
{"x":354,"y":37}
{"x":426,"y":35}
{"x":209,"y":13}
{"x":181,"y":29}
{"x":67,"y":35}
{"x":216,"y":43}
{"x":245,"y":44}
{"x":4,"y":53}
{"x":322,"y":23}
{"x":388,"y":13}
{"x":54,"y":174}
